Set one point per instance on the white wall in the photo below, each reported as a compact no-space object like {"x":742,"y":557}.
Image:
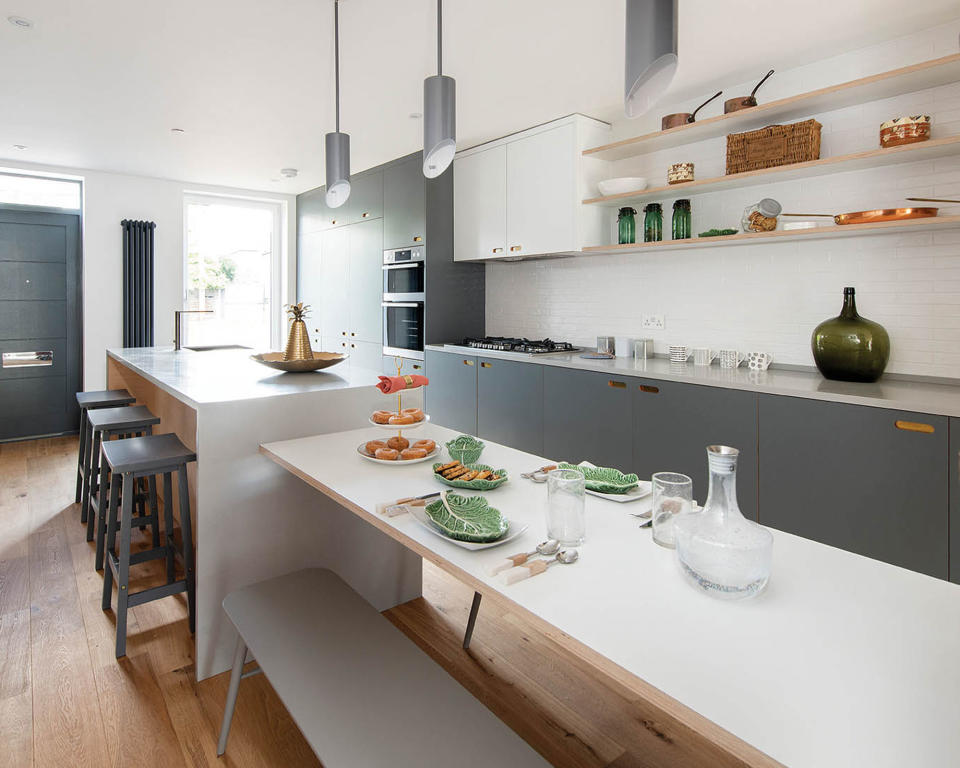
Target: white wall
{"x":770,"y":297}
{"x":108,"y":199}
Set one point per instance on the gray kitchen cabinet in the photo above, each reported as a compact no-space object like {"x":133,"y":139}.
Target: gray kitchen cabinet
{"x":954,"y":470}
{"x":674,"y":423}
{"x":451,"y":398}
{"x":404,"y":204}
{"x":510,"y":404}
{"x":587,"y":416}
{"x":868,"y":480}
{"x":365,"y":203}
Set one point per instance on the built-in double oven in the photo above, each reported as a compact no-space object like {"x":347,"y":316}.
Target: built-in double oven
{"x":404,"y":286}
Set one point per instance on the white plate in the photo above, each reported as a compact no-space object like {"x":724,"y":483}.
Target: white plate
{"x":396,"y":427}
{"x":621,"y":185}
{"x":643,"y":489}
{"x":368,"y":457}
{"x":514,"y":529}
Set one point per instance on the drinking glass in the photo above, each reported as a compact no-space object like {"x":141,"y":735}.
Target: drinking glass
{"x":606,"y":345}
{"x":566,"y":520}
{"x":672,"y":496}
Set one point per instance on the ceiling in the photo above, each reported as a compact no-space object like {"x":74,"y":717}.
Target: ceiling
{"x":99,"y":83}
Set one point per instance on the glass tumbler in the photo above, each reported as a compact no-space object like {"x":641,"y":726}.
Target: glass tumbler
{"x":566,"y":520}
{"x":672,"y":496}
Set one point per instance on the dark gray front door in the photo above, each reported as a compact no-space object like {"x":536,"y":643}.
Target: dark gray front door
{"x":40,"y":323}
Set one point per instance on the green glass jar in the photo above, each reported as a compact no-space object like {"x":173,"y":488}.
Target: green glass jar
{"x":681,"y":220}
{"x":627,"y":226}
{"x":850,"y":347}
{"x":652,"y":223}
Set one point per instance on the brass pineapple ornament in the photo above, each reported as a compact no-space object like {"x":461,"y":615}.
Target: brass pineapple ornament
{"x":298,"y":342}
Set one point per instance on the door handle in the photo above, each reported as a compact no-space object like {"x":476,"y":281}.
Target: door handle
{"x":914,"y":426}
{"x":515,"y":247}
{"x":417,"y":367}
{"x":486,"y":365}
{"x":417,"y":239}
{"x":343,"y":333}
{"x":352,"y":333}
{"x":364,"y":215}
{"x":649,"y":389}
{"x":353,"y":346}
{"x":497,"y":250}
{"x":617,"y":384}
{"x":333,"y":221}
{"x":468,"y":362}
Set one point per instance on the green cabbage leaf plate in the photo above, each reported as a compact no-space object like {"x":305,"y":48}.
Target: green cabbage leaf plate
{"x":604,"y":479}
{"x":466,"y":518}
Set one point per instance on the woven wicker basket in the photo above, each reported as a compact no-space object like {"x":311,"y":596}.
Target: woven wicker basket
{"x":772,"y":146}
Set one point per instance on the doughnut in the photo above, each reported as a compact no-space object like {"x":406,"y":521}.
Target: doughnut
{"x":374,"y":445}
{"x":387,"y":454}
{"x":401,"y":418}
{"x":413,"y":453}
{"x":428,"y":445}
{"x":398,"y":443}
{"x":415,"y":412}
{"x":381,"y":417}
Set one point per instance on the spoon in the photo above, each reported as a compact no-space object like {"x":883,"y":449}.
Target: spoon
{"x":547,"y":548}
{"x":532,"y":568}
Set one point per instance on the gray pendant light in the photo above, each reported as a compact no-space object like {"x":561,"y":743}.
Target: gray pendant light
{"x":337,"y":147}
{"x":439,"y":113}
{"x":651,"y":53}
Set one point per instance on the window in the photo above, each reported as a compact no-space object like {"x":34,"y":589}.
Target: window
{"x":17,"y":189}
{"x":232,"y":269}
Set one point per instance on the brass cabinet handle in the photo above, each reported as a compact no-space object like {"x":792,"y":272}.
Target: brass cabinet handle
{"x":914,"y":426}
{"x":364,"y":215}
{"x":486,"y":365}
{"x":417,"y":238}
{"x":353,"y":346}
{"x":343,"y":344}
{"x":333,"y":221}
{"x":343,"y":333}
{"x":468,"y":362}
{"x":498,"y":250}
{"x":617,"y":384}
{"x":417,"y":367}
{"x":649,"y":389}
{"x":352,"y":333}
{"x":515,"y":247}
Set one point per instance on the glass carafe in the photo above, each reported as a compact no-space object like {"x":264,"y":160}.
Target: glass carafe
{"x":719,"y":550}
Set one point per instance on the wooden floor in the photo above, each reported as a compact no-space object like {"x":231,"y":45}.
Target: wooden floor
{"x":65,"y":700}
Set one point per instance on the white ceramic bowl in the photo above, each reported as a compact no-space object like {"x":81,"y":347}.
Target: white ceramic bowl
{"x":621,"y":185}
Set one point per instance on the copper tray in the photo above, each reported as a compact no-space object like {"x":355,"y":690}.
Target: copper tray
{"x":320,"y":360}
{"x":884,"y":214}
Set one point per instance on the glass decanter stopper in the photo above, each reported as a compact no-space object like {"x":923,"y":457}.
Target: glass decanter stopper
{"x":718,"y":549}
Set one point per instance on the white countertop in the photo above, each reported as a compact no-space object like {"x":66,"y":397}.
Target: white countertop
{"x":230,"y":375}
{"x":843,"y":660}
{"x":898,"y":394}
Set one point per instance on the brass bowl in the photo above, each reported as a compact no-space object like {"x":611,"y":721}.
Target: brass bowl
{"x":320,"y":360}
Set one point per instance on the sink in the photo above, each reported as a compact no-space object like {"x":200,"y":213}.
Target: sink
{"x":213,"y":347}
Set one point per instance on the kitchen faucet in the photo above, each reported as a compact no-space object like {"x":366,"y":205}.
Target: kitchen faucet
{"x":176,"y":323}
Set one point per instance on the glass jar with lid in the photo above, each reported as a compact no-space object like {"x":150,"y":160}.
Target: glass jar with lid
{"x":627,"y":226}
{"x":652,"y":223}
{"x":761,"y":216}
{"x":681,"y":219}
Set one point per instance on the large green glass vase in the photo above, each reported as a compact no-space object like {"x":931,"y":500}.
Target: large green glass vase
{"x":849,"y":347}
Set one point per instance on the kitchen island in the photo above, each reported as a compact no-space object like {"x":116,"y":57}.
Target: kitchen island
{"x":252,"y":520}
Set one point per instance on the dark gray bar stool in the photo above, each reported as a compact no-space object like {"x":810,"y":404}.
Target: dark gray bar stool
{"x":103,"y":398}
{"x":131,"y":459}
{"x":106,"y":423}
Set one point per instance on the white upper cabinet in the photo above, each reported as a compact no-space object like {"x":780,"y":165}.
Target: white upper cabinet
{"x":520,"y":196}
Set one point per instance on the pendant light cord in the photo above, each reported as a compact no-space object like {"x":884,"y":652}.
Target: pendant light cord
{"x":336,"y":55}
{"x":439,"y":37}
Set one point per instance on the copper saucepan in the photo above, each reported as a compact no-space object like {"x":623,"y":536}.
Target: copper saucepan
{"x":872,"y":217}
{"x":682,"y":118}
{"x":743,"y":102}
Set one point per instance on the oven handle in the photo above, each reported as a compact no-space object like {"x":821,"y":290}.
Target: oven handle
{"x":401,"y":304}
{"x":412,"y":265}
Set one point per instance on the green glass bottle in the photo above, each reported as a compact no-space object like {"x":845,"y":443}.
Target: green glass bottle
{"x":627,"y":226}
{"x":850,"y":347}
{"x":652,"y":223}
{"x":681,"y":219}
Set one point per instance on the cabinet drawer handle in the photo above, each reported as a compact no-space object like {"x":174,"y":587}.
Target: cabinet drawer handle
{"x":914,"y":426}
{"x":515,"y":247}
{"x":352,"y":333}
{"x":343,"y":344}
{"x":353,"y":346}
{"x":333,"y":221}
{"x":648,"y":389}
{"x":617,"y":384}
{"x":364,"y":215}
{"x":417,"y":239}
{"x":498,"y":250}
{"x":343,"y":333}
{"x":417,"y":367}
{"x":468,"y":362}
{"x":486,"y":365}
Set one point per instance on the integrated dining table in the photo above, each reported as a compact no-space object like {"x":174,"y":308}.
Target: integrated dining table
{"x":842,"y":660}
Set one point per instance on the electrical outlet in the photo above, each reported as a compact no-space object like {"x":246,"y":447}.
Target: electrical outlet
{"x":653,"y":322}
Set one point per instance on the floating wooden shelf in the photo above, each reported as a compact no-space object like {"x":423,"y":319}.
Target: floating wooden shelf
{"x":782,"y":236}
{"x":856,"y":161}
{"x":916,"y":77}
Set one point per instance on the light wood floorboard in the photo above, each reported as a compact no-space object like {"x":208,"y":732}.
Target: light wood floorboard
{"x":66,"y":700}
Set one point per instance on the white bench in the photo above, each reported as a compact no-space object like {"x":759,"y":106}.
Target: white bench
{"x":363,"y":694}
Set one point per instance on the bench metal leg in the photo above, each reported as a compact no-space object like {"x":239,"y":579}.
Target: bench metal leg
{"x":235,"y":676}
{"x":474,"y":610}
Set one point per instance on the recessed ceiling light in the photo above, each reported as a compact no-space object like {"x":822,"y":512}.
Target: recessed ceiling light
{"x":20,"y":22}
{"x":289,"y":173}
{"x":416,"y":115}
{"x":177,"y":130}
{"x":20,"y":147}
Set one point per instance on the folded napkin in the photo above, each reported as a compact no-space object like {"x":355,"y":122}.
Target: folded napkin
{"x":390,"y":384}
